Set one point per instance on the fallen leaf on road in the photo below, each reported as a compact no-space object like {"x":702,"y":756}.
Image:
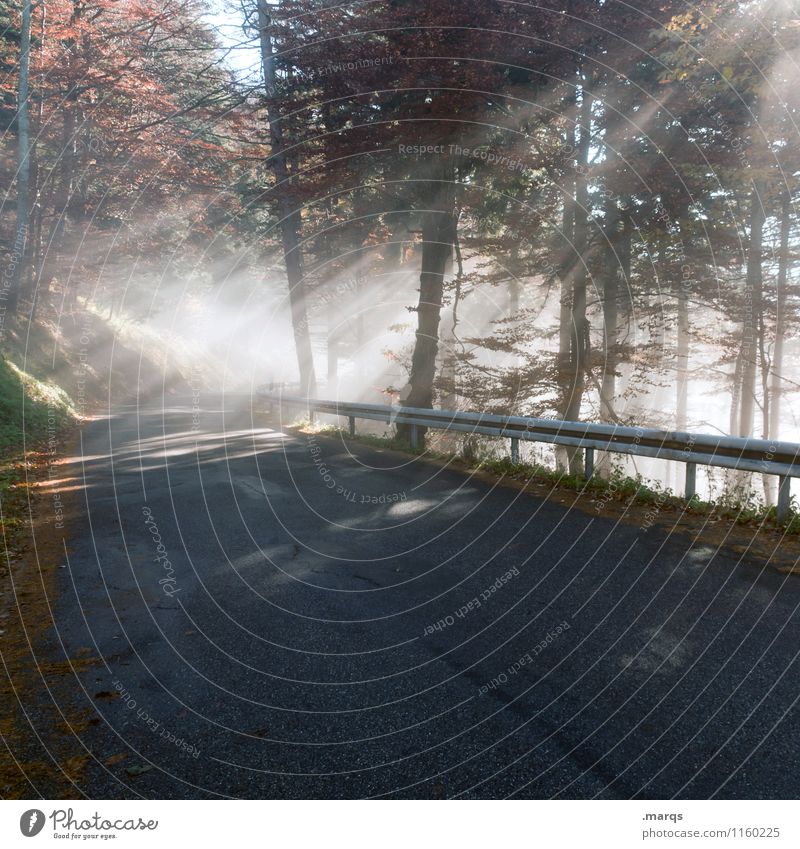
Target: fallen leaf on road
{"x":138,"y":769}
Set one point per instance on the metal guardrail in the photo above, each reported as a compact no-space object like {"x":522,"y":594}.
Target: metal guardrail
{"x":746,"y":455}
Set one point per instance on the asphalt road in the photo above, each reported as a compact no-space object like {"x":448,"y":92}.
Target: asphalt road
{"x":281,"y":616}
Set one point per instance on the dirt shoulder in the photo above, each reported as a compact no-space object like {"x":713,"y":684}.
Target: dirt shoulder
{"x":762,"y":542}
{"x":41,"y":755}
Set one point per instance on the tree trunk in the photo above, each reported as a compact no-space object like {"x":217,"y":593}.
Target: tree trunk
{"x":438,"y":237}
{"x":287,"y":214}
{"x":776,"y":389}
{"x":736,"y":394}
{"x":19,"y":250}
{"x":771,"y":369}
{"x":682,"y":360}
{"x":361,"y":336}
{"x":64,"y":171}
{"x":753,"y":305}
{"x":617,"y":269}
{"x":514,"y":287}
{"x":450,"y":365}
{"x":38,"y":181}
{"x":29,"y":286}
{"x":579,"y":325}
{"x":332,"y":388}
{"x":565,"y":300}
{"x":612,"y":267}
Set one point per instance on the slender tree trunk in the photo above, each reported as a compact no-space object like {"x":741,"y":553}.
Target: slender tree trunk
{"x":450,"y":365}
{"x":29,"y":285}
{"x":771,"y":369}
{"x":565,"y":271}
{"x":513,"y":296}
{"x":753,"y":299}
{"x":766,"y":402}
{"x":288,"y":215}
{"x":565,"y":300}
{"x":736,"y":394}
{"x":766,"y":480}
{"x":579,"y":325}
{"x":361,"y":334}
{"x":682,"y":361}
{"x":617,"y":269}
{"x":62,"y":193}
{"x":35,"y":266}
{"x":565,"y":318}
{"x":514,"y":286}
{"x":393,"y":249}
{"x":776,"y":389}
{"x":19,"y":250}
{"x":612,"y":267}
{"x":333,"y":351}
{"x":609,"y":384}
{"x":63,"y":174}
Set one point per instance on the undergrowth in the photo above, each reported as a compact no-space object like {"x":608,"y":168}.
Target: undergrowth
{"x":30,"y":409}
{"x":33,"y":415}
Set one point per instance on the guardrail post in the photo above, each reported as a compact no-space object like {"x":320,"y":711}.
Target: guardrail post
{"x":514,"y":450}
{"x":588,"y":463}
{"x":784,"y":497}
{"x":352,"y":420}
{"x":691,"y":480}
{"x":413,"y":436}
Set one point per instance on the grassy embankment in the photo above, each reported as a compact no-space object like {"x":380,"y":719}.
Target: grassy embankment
{"x":35,"y":414}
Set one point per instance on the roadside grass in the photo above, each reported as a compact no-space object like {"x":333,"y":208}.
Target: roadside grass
{"x":391,"y":442}
{"x":735,"y":505}
{"x":33,"y":415}
{"x":30,"y":409}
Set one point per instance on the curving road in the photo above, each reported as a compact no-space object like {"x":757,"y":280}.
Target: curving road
{"x":278,"y":615}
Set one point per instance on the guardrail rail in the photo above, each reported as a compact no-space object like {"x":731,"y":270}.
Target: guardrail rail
{"x":763,"y":456}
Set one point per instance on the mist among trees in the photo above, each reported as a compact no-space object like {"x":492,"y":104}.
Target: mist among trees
{"x":581,"y":210}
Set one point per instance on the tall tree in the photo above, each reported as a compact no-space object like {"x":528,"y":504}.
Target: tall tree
{"x":19,"y":251}
{"x":288,"y":213}
{"x":781,"y":324}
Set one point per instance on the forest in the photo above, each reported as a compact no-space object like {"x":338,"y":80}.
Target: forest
{"x":582,"y":210}
{"x":400,"y":400}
